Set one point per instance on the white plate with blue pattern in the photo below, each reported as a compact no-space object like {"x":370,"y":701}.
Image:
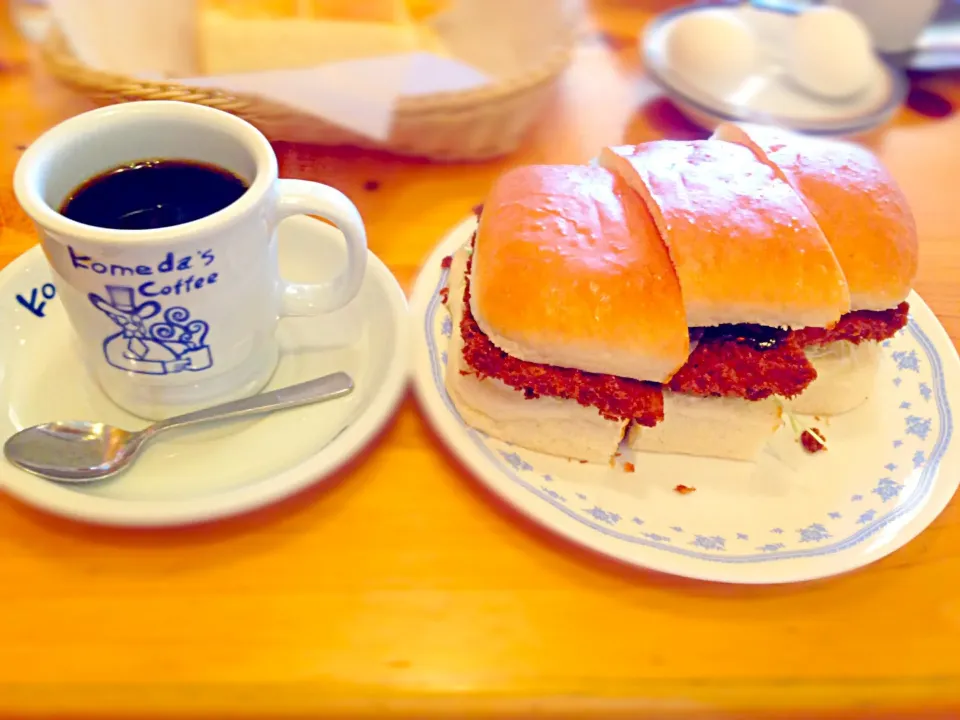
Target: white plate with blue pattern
{"x":891,"y":468}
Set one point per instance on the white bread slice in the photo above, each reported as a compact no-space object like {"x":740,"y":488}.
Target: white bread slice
{"x":719,"y":427}
{"x":230,"y":44}
{"x":389,"y":11}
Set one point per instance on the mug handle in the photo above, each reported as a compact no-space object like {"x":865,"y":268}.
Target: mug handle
{"x":302,"y":197}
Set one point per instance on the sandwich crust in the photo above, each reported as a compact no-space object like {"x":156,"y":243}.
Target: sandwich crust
{"x":745,"y":247}
{"x":570,"y":270}
{"x":861,"y":210}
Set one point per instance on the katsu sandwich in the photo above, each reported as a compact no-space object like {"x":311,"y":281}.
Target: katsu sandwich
{"x":678,"y":296}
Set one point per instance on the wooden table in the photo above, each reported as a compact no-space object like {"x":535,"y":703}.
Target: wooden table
{"x":405,"y":589}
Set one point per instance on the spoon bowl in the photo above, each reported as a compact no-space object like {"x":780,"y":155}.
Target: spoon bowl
{"x":79,"y":451}
{"x":73,"y":450}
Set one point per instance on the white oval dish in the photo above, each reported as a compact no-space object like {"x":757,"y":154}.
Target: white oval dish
{"x":768,"y":95}
{"x":197,"y":475}
{"x":890,"y":469}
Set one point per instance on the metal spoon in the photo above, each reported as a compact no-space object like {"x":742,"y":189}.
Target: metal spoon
{"x":78,"y":451}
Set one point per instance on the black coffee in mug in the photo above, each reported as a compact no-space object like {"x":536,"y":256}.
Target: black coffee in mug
{"x":151,"y":194}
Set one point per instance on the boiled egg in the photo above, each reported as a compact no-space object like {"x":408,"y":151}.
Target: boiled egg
{"x":830,"y":53}
{"x":711,"y":49}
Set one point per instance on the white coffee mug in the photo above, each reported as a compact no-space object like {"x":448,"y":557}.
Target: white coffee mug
{"x":185,"y":316}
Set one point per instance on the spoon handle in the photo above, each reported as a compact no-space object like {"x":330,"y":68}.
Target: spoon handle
{"x":323,"y":388}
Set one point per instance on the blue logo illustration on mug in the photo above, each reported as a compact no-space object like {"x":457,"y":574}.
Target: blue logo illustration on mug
{"x":170,"y":343}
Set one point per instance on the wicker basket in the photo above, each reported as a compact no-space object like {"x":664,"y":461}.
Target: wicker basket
{"x":470,"y":125}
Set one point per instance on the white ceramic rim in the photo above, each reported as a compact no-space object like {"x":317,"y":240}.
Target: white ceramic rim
{"x":518,"y":497}
{"x":359,"y":432}
{"x":26,"y":181}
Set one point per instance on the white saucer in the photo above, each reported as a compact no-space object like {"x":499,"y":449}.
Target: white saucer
{"x":226,"y":469}
{"x":768,"y":96}
{"x":891,"y":467}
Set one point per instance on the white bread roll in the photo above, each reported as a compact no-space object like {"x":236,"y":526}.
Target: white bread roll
{"x":570,"y":270}
{"x":744,"y":245}
{"x":546,"y":424}
{"x":857,"y":203}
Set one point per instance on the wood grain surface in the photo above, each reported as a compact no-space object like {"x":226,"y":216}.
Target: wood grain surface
{"x":402,"y":588}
